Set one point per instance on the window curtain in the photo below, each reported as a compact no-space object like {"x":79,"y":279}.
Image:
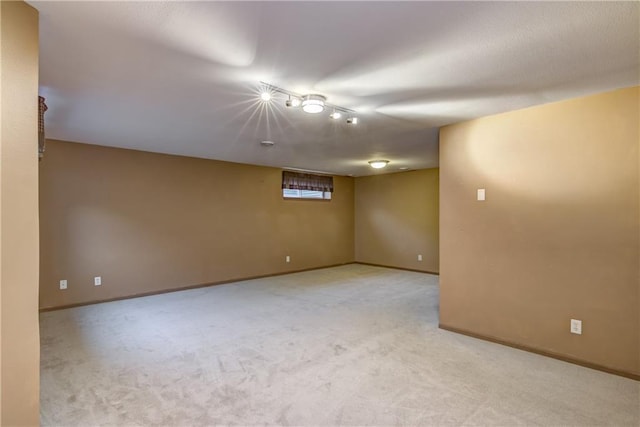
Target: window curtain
{"x":306,"y":181}
{"x":42,"y":107}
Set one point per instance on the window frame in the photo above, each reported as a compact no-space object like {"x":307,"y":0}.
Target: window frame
{"x":325,"y":195}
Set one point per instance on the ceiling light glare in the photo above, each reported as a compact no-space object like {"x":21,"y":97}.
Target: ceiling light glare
{"x":353,"y":121}
{"x":313,"y":104}
{"x":265,"y":96}
{"x":378,"y":164}
{"x":335,"y":115}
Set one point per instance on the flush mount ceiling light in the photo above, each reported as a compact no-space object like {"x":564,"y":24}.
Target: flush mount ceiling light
{"x":311,"y":103}
{"x":378,"y":164}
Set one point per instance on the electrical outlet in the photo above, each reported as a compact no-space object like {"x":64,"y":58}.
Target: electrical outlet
{"x":97,"y":281}
{"x":576,"y":326}
{"x":288,"y":258}
{"x":63,"y":284}
{"x":420,"y":257}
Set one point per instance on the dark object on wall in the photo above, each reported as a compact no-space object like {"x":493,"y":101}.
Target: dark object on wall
{"x":42,"y":107}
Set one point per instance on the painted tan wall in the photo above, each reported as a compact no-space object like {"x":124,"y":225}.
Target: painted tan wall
{"x":397,"y":219}
{"x":556,"y":238}
{"x":148,"y":222}
{"x":19,"y":337}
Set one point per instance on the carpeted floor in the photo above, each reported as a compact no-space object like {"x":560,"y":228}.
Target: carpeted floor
{"x":352,"y":345}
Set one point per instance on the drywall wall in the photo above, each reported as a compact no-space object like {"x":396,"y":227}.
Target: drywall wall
{"x":556,"y":238}
{"x":148,"y":222}
{"x":19,"y":331}
{"x":396,"y":219}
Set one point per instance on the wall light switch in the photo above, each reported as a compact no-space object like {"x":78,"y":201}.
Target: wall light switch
{"x":576,"y":326}
{"x":288,"y":258}
{"x":420,"y":257}
{"x":97,"y":281}
{"x":63,"y":284}
{"x":481,"y":194}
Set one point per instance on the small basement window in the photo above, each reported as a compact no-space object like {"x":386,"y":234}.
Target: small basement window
{"x":297,"y":185}
{"x":305,"y":194}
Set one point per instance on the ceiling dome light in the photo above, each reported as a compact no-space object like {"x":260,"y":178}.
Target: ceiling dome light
{"x":265,"y":96}
{"x":313,"y":104}
{"x":353,"y":121}
{"x":378,"y":164}
{"x":335,"y":115}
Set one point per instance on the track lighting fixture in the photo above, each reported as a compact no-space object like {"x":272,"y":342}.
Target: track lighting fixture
{"x":311,"y":103}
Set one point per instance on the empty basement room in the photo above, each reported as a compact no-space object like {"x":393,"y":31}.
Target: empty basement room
{"x":320,"y":213}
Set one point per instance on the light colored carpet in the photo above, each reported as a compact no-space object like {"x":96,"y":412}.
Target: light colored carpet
{"x":352,"y":345}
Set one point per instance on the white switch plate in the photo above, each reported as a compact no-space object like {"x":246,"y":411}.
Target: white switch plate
{"x":576,"y":326}
{"x":481,"y":194}
{"x":288,"y":258}
{"x":419,"y":257}
{"x":63,"y":284}
{"x":97,"y":281}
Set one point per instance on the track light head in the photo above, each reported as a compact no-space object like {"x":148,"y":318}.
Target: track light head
{"x":352,"y":120}
{"x":265,"y":96}
{"x":335,"y":115}
{"x":292,"y":102}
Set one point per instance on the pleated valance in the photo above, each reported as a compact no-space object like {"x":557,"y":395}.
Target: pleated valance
{"x":306,"y":181}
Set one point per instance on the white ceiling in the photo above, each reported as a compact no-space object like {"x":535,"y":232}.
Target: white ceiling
{"x":182,"y":78}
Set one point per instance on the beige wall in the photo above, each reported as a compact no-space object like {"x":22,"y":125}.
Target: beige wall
{"x":397,"y":219}
{"x":19,"y":337}
{"x":148,"y":222}
{"x":556,"y":238}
